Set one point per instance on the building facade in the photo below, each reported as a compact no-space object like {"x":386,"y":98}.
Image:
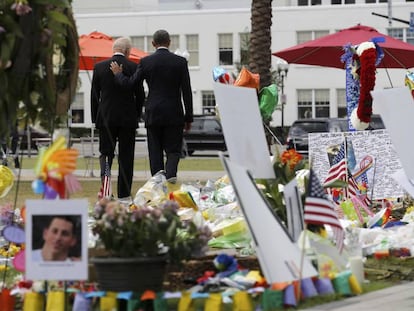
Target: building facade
{"x":216,"y":32}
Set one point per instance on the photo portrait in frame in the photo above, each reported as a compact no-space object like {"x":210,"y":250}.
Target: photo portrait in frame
{"x":56,"y":239}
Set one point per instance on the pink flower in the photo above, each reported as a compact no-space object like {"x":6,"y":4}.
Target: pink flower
{"x":21,"y":8}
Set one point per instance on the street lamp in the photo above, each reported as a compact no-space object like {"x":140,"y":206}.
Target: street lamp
{"x":282,"y":69}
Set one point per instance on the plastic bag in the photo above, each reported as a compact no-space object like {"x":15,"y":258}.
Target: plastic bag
{"x":153,"y":191}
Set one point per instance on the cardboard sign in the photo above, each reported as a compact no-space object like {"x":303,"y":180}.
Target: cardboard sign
{"x":243,"y":129}
{"x":279,"y":256}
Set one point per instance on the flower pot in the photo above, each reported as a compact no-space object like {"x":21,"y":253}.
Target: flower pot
{"x":130,"y":274}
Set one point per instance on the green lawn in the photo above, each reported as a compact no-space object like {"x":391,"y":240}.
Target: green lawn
{"x":187,"y":164}
{"x":91,"y":187}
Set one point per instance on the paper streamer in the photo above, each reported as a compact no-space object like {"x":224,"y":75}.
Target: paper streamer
{"x":33,"y":301}
{"x":324,"y":286}
{"x":55,"y":301}
{"x":7,"y":301}
{"x":308,"y":288}
{"x":81,"y":303}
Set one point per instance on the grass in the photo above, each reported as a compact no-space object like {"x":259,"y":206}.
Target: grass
{"x":90,"y":187}
{"x":140,"y":164}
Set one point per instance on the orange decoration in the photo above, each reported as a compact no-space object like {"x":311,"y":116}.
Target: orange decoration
{"x":7,"y":301}
{"x":248,"y":79}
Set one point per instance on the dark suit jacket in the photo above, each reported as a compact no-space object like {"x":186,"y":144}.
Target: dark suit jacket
{"x":168,"y":81}
{"x":111,"y":105}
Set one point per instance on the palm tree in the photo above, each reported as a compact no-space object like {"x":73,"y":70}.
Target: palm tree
{"x":261,"y":40}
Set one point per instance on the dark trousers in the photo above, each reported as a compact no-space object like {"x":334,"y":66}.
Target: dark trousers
{"x":166,"y":139}
{"x":125,"y":136}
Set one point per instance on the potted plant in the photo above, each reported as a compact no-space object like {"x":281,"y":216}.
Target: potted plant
{"x":139,"y":241}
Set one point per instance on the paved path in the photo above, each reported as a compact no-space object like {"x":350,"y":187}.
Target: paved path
{"x":396,"y":298}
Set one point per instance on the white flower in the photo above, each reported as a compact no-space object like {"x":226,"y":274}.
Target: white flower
{"x":356,"y":122}
{"x":364,"y":46}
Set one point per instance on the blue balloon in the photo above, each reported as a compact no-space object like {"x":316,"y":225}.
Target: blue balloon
{"x":38,"y":186}
{"x":218,"y":72}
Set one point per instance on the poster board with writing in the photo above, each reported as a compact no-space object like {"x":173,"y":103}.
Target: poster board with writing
{"x":376,"y":144}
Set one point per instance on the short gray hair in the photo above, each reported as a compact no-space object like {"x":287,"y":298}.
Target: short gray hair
{"x":122,"y":44}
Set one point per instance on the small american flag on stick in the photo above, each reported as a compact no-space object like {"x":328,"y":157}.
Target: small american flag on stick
{"x":320,"y":211}
{"x":106,"y":186}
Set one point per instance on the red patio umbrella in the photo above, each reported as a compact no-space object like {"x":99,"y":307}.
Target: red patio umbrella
{"x":327,"y":51}
{"x":96,"y":47}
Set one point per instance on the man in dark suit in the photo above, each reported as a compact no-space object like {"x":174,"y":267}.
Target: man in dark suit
{"x":116,"y":112}
{"x":168,"y":81}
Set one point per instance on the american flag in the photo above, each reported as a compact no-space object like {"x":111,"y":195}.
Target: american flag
{"x":106,"y":186}
{"x":320,"y":211}
{"x":354,"y":190}
{"x":337,"y":172}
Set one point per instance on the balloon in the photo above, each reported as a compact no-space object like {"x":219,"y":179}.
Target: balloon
{"x":38,"y":186}
{"x":226,"y":79}
{"x":50,"y":193}
{"x":218,"y":72}
{"x":19,"y":261}
{"x":268,"y":98}
{"x":6,"y":180}
{"x":248,"y":79}
{"x":14,"y":234}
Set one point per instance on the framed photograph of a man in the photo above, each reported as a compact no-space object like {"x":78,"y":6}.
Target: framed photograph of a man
{"x":56,"y":239}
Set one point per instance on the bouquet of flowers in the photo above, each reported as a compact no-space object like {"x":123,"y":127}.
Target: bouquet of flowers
{"x":137,"y":231}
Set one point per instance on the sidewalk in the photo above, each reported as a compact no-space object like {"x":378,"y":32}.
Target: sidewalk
{"x":398,"y":298}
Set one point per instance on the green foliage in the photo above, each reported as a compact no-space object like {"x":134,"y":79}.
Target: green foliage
{"x":148,"y":231}
{"x":285,"y":165}
{"x":38,"y":61}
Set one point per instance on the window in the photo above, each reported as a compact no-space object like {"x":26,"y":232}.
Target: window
{"x":313,"y":103}
{"x":138,"y":42}
{"x":305,"y":104}
{"x":303,"y":36}
{"x":306,"y":2}
{"x":244,"y":48}
{"x":77,"y":109}
{"x":397,"y":33}
{"x":226,"y":49}
{"x":322,"y":103}
{"x":209,"y":102}
{"x":341,"y":103}
{"x":192,"y":48}
{"x":403,"y":34}
{"x":410,"y":36}
{"x":149,"y":48}
{"x":175,"y":42}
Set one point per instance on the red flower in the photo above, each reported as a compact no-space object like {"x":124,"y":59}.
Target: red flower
{"x":367,"y":83}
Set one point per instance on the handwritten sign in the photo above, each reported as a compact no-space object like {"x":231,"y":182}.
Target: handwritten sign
{"x":376,"y":144}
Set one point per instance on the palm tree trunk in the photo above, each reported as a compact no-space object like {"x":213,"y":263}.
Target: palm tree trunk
{"x":260,"y":40}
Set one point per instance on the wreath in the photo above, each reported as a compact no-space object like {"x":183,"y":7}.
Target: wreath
{"x":366,"y":53}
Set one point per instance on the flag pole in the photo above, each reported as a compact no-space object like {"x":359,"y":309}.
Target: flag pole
{"x":305,"y":229}
{"x":346,"y":166}
{"x":302,"y":259}
{"x":373,"y":182}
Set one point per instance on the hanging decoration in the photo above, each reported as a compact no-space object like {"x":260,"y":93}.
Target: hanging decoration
{"x":360,"y":63}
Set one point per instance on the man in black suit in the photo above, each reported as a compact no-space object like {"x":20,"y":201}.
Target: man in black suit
{"x":116,"y":112}
{"x":168,"y":81}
